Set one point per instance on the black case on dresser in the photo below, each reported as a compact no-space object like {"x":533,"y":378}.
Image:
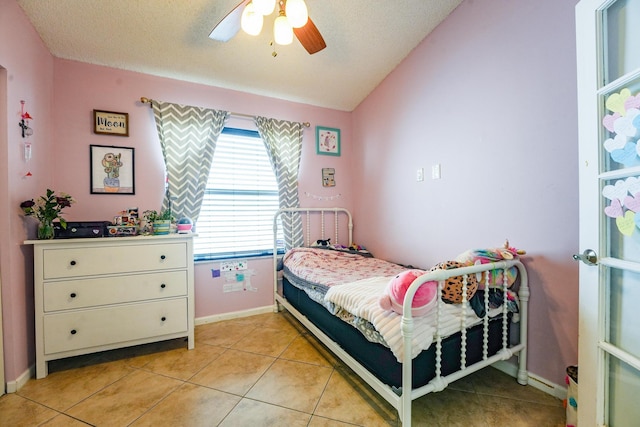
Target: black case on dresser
{"x":80,"y":229}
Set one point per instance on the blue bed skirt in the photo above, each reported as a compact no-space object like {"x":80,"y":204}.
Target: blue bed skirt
{"x":378,"y":359}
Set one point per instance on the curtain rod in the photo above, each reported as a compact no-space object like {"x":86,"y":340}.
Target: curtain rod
{"x":146,"y":100}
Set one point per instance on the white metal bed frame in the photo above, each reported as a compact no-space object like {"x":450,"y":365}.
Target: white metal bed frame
{"x":402,"y":403}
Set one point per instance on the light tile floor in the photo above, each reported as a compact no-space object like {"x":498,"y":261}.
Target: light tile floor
{"x":263,"y":370}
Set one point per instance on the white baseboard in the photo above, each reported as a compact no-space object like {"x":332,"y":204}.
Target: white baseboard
{"x":534,"y":380}
{"x":14,"y":386}
{"x":234,"y":315}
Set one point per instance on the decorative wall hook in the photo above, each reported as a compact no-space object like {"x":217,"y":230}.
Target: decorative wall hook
{"x":24,"y":123}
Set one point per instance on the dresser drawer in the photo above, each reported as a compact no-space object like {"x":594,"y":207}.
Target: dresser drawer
{"x":82,"y":329}
{"x":92,"y":292}
{"x":90,"y":261}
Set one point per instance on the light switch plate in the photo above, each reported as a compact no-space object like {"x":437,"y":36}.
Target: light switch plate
{"x":435,"y":171}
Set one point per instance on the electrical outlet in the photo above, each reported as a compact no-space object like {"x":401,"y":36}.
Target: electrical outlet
{"x":420,"y":175}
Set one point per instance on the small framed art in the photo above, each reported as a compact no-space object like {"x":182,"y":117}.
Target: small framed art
{"x":111,"y":123}
{"x":327,"y":141}
{"x":328,"y":177}
{"x":112,"y":169}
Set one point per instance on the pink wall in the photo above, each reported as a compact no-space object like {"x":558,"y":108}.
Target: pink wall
{"x":491,"y":96}
{"x":27,"y":75}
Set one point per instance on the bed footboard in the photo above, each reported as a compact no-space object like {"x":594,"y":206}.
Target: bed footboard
{"x":440,"y":382}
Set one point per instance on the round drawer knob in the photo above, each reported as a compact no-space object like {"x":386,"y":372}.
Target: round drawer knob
{"x":73,"y":332}
{"x":163,"y":286}
{"x":163,"y":256}
{"x":73,"y":262}
{"x":163,"y":318}
{"x":73,"y":295}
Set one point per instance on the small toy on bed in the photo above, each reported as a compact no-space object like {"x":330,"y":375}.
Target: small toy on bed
{"x":393,"y":295}
{"x":323,"y":242}
{"x":452,"y":290}
{"x":493,"y":254}
{"x":485,"y":256}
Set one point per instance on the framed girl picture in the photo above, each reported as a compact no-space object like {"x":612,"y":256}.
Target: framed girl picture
{"x":327,"y":141}
{"x":112,"y":170}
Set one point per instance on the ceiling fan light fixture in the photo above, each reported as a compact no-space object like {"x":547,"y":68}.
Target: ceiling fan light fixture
{"x":251,"y":21}
{"x":297,"y":13}
{"x":264,"y":7}
{"x":282,"y":30}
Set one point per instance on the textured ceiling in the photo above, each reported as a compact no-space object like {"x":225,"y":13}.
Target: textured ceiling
{"x":366,"y":40}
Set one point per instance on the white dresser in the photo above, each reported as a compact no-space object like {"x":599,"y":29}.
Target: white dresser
{"x":98,"y":294}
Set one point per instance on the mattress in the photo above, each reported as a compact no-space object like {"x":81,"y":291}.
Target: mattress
{"x":378,"y":358}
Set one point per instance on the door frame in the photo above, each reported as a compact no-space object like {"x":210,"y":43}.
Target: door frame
{"x":591,"y":321}
{"x":3,"y":190}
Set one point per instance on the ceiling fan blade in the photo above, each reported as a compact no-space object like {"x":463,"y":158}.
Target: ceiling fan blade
{"x":310,"y":37}
{"x":230,"y":24}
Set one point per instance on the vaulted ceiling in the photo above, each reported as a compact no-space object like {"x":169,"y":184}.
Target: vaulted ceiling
{"x":366,"y":40}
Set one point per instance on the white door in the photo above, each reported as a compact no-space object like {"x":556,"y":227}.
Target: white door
{"x":608,"y":61}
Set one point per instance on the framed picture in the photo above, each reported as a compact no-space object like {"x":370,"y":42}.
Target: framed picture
{"x":328,"y":177}
{"x":111,"y":123}
{"x":327,"y":141}
{"x":112,"y":169}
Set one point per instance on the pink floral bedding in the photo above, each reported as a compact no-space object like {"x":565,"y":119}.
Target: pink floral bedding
{"x":329,"y":268}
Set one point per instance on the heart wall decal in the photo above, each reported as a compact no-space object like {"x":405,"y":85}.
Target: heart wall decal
{"x":614,"y":210}
{"x":627,"y":156}
{"x":615,"y":102}
{"x":633,"y":202}
{"x":626,"y":224}
{"x":617,"y":191}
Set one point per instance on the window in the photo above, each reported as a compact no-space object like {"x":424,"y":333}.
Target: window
{"x":241,"y":198}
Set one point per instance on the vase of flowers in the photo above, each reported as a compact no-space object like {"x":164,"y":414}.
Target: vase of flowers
{"x":45,"y":230}
{"x":46,"y":209}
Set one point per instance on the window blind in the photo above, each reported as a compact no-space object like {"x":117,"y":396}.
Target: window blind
{"x":240,"y":200}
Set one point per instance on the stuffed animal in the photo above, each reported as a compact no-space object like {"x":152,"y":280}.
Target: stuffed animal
{"x":321,"y":242}
{"x":484,"y":256}
{"x":423,"y":301}
{"x":452,"y":290}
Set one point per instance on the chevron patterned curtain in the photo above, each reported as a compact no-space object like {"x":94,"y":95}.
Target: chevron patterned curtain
{"x":188,"y":137}
{"x":284,"y":144}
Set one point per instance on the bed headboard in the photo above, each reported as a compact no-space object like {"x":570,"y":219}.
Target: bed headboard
{"x":317,"y":222}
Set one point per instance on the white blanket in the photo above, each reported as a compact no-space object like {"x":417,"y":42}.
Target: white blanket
{"x":361,"y":299}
